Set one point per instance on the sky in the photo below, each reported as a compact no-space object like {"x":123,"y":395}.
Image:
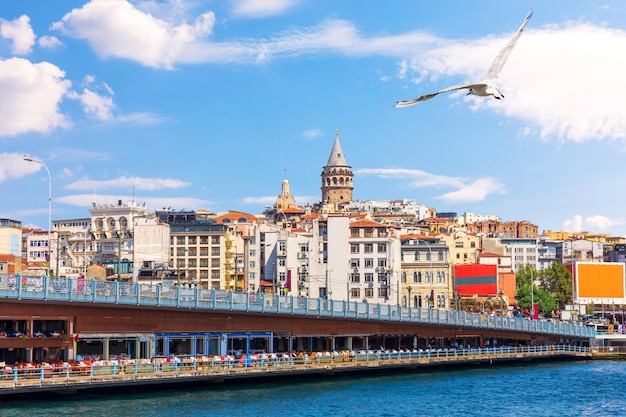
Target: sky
{"x":206,"y":104}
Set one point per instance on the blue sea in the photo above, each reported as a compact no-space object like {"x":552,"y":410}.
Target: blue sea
{"x":590,"y":388}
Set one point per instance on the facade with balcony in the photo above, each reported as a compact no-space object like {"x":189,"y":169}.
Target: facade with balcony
{"x":426,"y":279}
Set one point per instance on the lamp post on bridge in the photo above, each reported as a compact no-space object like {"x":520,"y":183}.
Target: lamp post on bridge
{"x":49,"y":252}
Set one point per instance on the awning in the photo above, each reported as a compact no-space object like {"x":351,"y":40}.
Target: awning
{"x":102,"y":336}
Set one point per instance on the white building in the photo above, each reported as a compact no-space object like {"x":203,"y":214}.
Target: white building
{"x":151,"y":243}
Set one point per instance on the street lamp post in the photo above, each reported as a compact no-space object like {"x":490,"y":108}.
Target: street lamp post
{"x":532,"y":294}
{"x":48,"y":260}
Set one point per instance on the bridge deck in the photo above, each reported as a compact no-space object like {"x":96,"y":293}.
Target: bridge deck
{"x":217,"y":370}
{"x":72,"y":290}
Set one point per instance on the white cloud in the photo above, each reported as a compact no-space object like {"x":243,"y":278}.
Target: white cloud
{"x":466,"y":190}
{"x":552,"y":80}
{"x":542,"y":88}
{"x":13,"y":165}
{"x":262,"y":8}
{"x":474,"y":191}
{"x":49,"y":42}
{"x":311,"y":134}
{"x":20,"y":33}
{"x":118,"y":29}
{"x":266,"y":201}
{"x":138,"y":183}
{"x":153,"y":203}
{"x":596,"y":222}
{"x":31,"y":94}
{"x":141,"y":118}
{"x":95,"y":105}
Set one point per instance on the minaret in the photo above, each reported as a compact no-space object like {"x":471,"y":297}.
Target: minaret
{"x":337,"y":177}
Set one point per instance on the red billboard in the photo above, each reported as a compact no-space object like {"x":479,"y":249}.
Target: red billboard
{"x":480,"y":280}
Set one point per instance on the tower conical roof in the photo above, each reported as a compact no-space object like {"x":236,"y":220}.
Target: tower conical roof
{"x":337,"y":157}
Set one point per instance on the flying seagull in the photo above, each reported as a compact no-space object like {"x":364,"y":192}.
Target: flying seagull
{"x":487,"y":87}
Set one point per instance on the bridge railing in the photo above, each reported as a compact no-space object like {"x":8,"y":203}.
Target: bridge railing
{"x":98,"y":291}
{"x":208,"y":365}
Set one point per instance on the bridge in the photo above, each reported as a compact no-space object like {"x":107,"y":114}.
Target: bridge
{"x":214,"y":321}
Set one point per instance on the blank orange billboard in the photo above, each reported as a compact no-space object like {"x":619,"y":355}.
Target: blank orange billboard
{"x":600,"y":282}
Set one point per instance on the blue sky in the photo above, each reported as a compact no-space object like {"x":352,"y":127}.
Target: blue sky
{"x":211,"y":104}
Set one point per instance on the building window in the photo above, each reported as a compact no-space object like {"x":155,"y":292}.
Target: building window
{"x":368,"y":248}
{"x":417,"y":256}
{"x":369,"y":262}
{"x":440,"y":255}
{"x":382,"y":248}
{"x":355,"y":277}
{"x":354,"y":248}
{"x":369,"y":277}
{"x":382,"y":262}
{"x":215,"y":240}
{"x":355,"y":263}
{"x":369,"y":292}
{"x":355,"y":293}
{"x":403,"y":276}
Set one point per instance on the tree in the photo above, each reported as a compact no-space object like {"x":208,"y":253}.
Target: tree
{"x":557,"y":280}
{"x":542,"y":298}
{"x":524,"y":276}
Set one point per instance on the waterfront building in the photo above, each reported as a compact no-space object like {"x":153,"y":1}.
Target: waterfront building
{"x":151,"y":244}
{"x":242,"y":258}
{"x":579,"y":250}
{"x":439,"y":225}
{"x":35,"y":249}
{"x":547,"y":253}
{"x":521,"y":251}
{"x":284,"y":259}
{"x":197,"y":249}
{"x":112,"y":229}
{"x":10,"y":264}
{"x":468,"y":218}
{"x":507,"y":280}
{"x":11,"y":237}
{"x":397,"y":212}
{"x":615,"y":253}
{"x":426,"y":277}
{"x":495,"y":228}
{"x":374,"y":262}
{"x":75,"y":244}
{"x":463,"y":247}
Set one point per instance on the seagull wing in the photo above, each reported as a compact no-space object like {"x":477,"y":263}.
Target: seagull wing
{"x":407,"y":103}
{"x":500,"y":60}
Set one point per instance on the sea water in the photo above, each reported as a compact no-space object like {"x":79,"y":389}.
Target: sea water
{"x":587,"y":388}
